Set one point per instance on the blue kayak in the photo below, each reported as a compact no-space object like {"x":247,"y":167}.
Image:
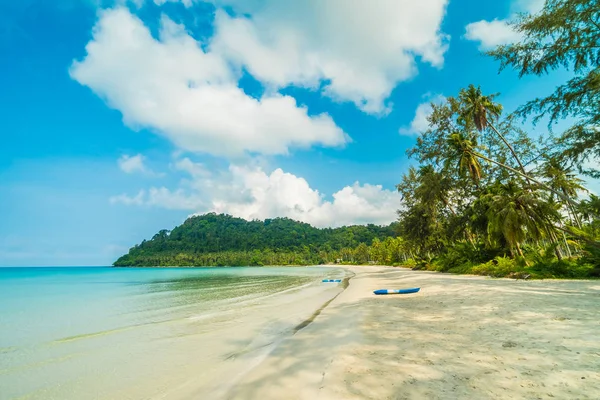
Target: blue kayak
{"x":332,"y":280}
{"x":397,"y":291}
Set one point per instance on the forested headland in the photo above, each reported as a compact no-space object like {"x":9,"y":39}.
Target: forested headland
{"x":490,"y":194}
{"x":223,"y":240}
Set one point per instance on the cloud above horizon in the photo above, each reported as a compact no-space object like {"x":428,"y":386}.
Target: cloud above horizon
{"x":251,"y":193}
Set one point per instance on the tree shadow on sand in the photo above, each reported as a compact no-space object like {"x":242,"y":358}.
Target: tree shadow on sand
{"x":488,"y":340}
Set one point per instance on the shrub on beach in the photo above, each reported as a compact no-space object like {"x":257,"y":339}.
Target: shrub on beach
{"x":498,"y":267}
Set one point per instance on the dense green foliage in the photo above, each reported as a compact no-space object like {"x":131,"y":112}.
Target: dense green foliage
{"x":487,"y":199}
{"x":213,"y":239}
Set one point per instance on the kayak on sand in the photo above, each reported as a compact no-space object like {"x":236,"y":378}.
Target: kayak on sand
{"x":397,"y":291}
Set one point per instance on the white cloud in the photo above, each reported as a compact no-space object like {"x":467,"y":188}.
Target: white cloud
{"x":359,"y":50}
{"x":419,"y":123}
{"x":172,"y":86}
{"x":249,"y":192}
{"x":130,"y":164}
{"x":490,"y":34}
{"x":497,"y":32}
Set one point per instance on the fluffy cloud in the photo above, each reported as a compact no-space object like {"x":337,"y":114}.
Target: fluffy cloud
{"x":358,"y":51}
{"x":250,"y":193}
{"x":490,"y":34}
{"x":419,"y":123}
{"x":191,"y":96}
{"x":497,"y":32}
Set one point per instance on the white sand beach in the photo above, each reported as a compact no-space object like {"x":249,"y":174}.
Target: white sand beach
{"x":460,"y":337}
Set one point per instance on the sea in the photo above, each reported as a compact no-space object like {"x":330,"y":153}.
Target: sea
{"x":127,"y":333}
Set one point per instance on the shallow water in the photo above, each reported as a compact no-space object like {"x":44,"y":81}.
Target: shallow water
{"x":105,"y":332}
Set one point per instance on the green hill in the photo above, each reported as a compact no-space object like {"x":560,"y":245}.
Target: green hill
{"x":220,"y":240}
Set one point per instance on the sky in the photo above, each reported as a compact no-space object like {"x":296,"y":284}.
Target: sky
{"x":121,"y":118}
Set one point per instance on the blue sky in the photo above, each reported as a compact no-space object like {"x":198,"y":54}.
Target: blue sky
{"x":123,"y":118}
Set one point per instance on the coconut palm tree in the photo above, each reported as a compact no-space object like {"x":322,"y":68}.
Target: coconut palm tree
{"x":483,"y":111}
{"x":564,"y":180}
{"x":461,"y":153}
{"x":458,"y":144}
{"x":518,"y":214}
{"x":543,"y":185}
{"x":590,"y":208}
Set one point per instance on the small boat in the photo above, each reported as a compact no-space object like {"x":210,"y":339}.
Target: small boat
{"x":332,"y":280}
{"x":397,"y":291}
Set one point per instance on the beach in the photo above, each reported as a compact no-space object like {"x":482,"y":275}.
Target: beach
{"x":281,"y":333}
{"x":459,"y":337}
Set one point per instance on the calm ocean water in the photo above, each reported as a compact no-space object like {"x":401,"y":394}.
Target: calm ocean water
{"x":59,"y":326}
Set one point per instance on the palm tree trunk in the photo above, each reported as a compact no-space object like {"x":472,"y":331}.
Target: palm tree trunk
{"x":575,"y":216}
{"x":589,"y":241}
{"x":567,"y":245}
{"x":520,"y":252}
{"x":559,"y":194}
{"x":555,"y":241}
{"x":512,"y":151}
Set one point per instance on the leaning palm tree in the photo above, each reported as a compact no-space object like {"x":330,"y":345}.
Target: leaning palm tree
{"x":565,"y":180}
{"x":517,"y":215}
{"x":483,"y":111}
{"x":459,"y":146}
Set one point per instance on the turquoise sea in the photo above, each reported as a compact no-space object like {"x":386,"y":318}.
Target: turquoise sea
{"x":105,"y":332}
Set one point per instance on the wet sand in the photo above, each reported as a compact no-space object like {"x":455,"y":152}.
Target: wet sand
{"x":461,"y":337}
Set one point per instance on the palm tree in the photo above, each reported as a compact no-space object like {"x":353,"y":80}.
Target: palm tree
{"x":565,"y":180}
{"x":517,"y":214}
{"x":461,"y":153}
{"x":556,"y":192}
{"x":483,"y":111}
{"x":458,"y":144}
{"x":590,"y":208}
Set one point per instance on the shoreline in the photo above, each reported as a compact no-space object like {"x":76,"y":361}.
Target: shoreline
{"x":462,"y":336}
{"x":515,"y":275}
